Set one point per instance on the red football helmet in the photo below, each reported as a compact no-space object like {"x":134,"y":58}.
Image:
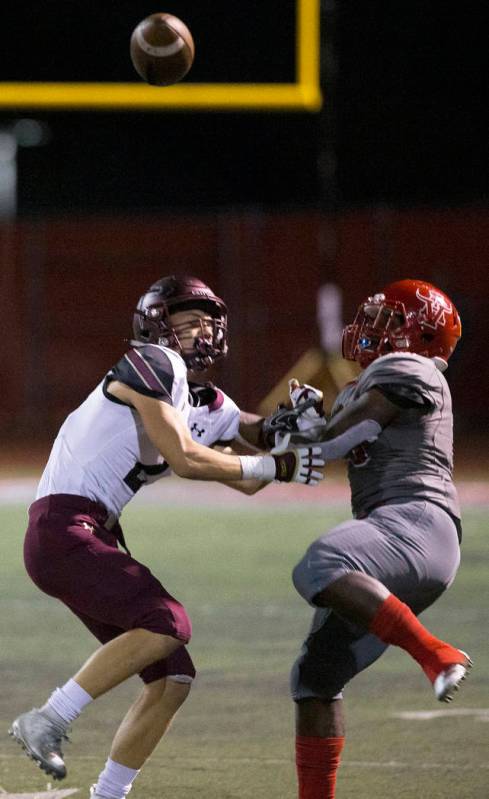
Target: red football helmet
{"x":151,"y":321}
{"x":406,"y":316}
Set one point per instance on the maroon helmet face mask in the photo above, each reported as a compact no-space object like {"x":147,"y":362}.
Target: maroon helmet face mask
{"x":152,"y":323}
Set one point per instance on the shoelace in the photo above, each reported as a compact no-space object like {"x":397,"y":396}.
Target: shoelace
{"x":54,"y":736}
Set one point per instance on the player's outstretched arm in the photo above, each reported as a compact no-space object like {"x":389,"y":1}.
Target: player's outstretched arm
{"x":359,"y":422}
{"x":169,"y":433}
{"x":251,"y":431}
{"x":248,"y":487}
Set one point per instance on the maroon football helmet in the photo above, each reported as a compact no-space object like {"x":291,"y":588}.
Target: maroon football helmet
{"x":406,"y":316}
{"x":152,"y":325}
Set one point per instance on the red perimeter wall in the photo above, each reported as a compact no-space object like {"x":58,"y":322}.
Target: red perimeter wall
{"x":69,"y":286}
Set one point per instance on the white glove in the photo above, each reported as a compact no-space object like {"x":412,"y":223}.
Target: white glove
{"x":310,"y":422}
{"x":299,"y":466}
{"x":293,"y":466}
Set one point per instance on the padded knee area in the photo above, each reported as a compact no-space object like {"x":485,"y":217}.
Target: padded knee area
{"x":177,"y":667}
{"x":333,"y":654}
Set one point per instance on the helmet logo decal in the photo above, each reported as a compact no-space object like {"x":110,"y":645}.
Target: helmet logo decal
{"x":433,"y":309}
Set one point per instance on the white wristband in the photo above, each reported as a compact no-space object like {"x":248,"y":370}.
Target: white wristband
{"x":258,"y":467}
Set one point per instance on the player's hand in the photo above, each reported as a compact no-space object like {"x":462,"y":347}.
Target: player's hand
{"x":303,"y":394}
{"x":302,"y":422}
{"x":278,"y":427}
{"x":299,"y":466}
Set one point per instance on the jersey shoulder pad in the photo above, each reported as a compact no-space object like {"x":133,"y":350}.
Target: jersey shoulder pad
{"x":149,"y":370}
{"x":411,"y":378}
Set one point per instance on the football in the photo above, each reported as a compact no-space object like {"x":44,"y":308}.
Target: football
{"x":162,"y":49}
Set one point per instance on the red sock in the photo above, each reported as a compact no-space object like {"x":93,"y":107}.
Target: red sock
{"x":317,"y":761}
{"x":394,"y":623}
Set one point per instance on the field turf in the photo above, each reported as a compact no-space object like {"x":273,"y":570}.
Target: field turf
{"x":234,"y":736}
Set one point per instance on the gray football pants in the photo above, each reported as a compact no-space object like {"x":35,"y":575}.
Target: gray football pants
{"x":412,"y":548}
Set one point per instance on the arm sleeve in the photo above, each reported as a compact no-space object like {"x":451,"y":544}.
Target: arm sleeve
{"x":364,"y":432}
{"x":406,"y":380}
{"x":148,"y":371}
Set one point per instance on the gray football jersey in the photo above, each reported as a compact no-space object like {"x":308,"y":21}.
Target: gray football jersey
{"x":413,"y":456}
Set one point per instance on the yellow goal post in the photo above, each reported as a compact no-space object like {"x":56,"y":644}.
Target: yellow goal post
{"x":302,"y":95}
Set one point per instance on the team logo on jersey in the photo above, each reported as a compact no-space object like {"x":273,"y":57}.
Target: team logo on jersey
{"x":359,"y":456}
{"x":198,"y":430}
{"x":434,"y":309}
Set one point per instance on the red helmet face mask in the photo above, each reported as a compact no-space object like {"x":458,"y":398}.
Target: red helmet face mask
{"x":152,"y":323}
{"x":406,"y":316}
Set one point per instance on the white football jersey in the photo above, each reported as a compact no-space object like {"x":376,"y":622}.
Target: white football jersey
{"x":102,"y":450}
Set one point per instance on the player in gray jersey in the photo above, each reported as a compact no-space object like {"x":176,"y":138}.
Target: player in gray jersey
{"x":369,"y":578}
{"x":142,"y":421}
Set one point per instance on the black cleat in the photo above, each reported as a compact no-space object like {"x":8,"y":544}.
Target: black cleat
{"x":41,"y":739}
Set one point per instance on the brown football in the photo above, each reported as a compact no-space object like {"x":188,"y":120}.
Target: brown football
{"x":162,"y":49}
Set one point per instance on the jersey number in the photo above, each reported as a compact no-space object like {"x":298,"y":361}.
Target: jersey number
{"x":140,"y":474}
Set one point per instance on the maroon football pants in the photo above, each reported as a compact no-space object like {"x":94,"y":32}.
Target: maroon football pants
{"x":70,"y":555}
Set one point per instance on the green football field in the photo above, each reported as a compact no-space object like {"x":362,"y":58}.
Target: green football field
{"x":234,"y":736}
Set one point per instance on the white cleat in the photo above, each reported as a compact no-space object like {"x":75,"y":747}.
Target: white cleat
{"x":41,"y":739}
{"x":448,"y":681}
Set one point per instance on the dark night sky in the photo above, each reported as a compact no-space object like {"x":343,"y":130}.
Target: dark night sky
{"x":405,"y":115}
{"x":412,"y":98}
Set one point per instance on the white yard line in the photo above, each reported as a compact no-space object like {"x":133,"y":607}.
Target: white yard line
{"x":54,"y":794}
{"x":478,"y":713}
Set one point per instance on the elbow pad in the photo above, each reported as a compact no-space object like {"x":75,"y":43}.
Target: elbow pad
{"x":336,"y":448}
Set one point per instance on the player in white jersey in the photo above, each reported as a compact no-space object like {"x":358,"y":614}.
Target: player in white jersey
{"x":369,"y":578}
{"x":142,"y":421}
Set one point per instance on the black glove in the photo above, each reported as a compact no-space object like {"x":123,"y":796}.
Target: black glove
{"x":284,"y":420}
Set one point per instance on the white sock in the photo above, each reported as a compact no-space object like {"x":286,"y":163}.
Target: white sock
{"x":115,"y":781}
{"x":67,"y":702}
